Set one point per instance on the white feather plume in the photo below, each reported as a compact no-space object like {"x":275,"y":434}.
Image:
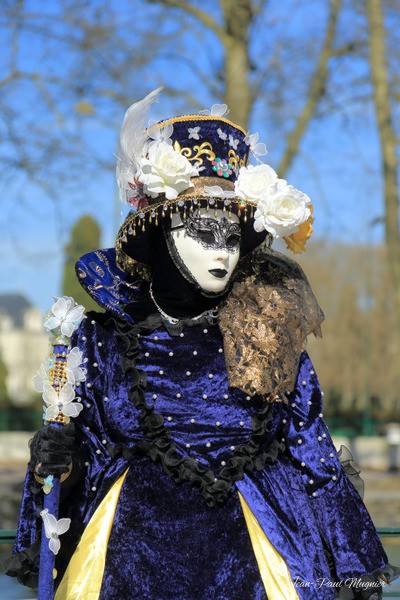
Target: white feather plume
{"x":132,"y":140}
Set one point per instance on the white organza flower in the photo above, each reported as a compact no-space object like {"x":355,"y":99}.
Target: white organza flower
{"x":43,"y":375}
{"x":254,"y":181}
{"x":75,"y":373}
{"x":166,"y":171}
{"x":65,"y":316}
{"x":53,"y":528}
{"x":160,"y":134}
{"x":198,"y":167}
{"x":60,"y":402}
{"x":216,"y":191}
{"x":256,"y":147}
{"x":217,"y":110}
{"x":281,"y":210}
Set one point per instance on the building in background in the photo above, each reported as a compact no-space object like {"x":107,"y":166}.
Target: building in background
{"x":23,"y":346}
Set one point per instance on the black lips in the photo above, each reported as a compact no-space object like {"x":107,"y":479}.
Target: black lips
{"x":220,"y":273}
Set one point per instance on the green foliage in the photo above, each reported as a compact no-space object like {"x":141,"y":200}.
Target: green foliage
{"x":85,"y":237}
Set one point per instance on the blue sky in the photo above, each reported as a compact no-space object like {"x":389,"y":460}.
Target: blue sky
{"x":338,"y":165}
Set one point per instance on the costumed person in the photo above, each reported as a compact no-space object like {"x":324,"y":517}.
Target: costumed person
{"x":200,"y":466}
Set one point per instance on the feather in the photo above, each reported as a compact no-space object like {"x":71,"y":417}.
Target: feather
{"x":132,"y":140}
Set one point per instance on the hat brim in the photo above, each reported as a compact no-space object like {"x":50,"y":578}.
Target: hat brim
{"x":134,"y":239}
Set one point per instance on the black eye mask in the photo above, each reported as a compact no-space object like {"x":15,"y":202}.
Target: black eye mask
{"x":212,"y":234}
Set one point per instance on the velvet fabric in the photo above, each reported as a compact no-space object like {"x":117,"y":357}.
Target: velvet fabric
{"x":46,"y":580}
{"x":159,"y":403}
{"x":106,"y":283}
{"x":210,"y":145}
{"x":172,"y":546}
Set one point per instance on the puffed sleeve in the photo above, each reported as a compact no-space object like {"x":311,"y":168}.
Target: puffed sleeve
{"x":343,"y":521}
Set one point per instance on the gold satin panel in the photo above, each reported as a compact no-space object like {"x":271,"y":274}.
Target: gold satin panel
{"x":273,"y":570}
{"x":83,"y":578}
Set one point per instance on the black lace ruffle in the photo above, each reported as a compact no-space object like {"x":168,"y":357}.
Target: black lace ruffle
{"x":159,"y":445}
{"x":24,"y":565}
{"x":353,"y":473}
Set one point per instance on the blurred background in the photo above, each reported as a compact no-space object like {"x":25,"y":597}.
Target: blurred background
{"x":319,"y":80}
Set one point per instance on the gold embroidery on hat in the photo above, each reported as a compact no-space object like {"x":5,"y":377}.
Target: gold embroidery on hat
{"x":204,"y":149}
{"x":235,"y":161}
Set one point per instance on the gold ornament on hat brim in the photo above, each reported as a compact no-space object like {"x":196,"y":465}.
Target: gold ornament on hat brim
{"x":193,"y":198}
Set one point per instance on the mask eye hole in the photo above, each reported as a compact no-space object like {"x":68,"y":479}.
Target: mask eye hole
{"x":233,"y":240}
{"x":206,"y":236}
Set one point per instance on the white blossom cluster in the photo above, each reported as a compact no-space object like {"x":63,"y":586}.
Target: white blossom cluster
{"x":62,"y":320}
{"x":280,"y":208}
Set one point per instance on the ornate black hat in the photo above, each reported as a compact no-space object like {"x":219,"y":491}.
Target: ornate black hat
{"x":199,"y":163}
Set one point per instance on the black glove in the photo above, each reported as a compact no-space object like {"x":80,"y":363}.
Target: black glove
{"x":52,"y":449}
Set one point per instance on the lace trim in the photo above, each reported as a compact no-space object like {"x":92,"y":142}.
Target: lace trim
{"x":25,"y":565}
{"x":159,"y":444}
{"x":265,"y":321}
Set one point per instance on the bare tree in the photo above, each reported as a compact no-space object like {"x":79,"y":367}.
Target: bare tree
{"x":89,"y":61}
{"x":233,"y":34}
{"x":358,"y":358}
{"x":83,"y":70}
{"x":71,"y":69}
{"x":241,"y":88}
{"x":316,"y":90}
{"x":388,"y":138}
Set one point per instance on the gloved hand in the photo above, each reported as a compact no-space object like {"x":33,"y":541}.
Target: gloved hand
{"x":52,"y":449}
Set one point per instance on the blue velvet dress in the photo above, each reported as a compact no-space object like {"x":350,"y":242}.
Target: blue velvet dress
{"x":157,"y":400}
{"x":160,"y":404}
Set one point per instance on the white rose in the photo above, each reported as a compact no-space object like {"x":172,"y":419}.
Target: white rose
{"x":282,"y":210}
{"x":254,"y":181}
{"x":165,"y":171}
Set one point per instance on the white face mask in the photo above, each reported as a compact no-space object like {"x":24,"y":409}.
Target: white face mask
{"x":209,"y":247}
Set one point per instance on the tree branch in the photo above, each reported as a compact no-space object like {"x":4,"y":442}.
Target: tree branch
{"x":200,"y":15}
{"x":388,"y":140}
{"x":258,"y":7}
{"x":316,"y":90}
